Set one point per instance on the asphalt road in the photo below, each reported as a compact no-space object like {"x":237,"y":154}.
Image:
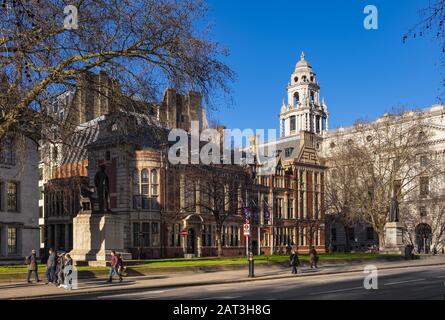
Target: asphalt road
{"x":418,"y":283}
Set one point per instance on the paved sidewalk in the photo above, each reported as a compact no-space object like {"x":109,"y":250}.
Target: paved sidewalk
{"x":133,"y":284}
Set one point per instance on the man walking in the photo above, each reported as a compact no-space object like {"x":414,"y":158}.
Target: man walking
{"x":314,"y":258}
{"x":51,"y":267}
{"x":294,"y":262}
{"x":31,"y":261}
{"x":114,"y":269}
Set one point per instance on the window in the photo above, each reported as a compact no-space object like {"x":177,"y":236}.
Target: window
{"x":370,"y":233}
{"x":424,"y":186}
{"x":12,"y":203}
{"x":1,"y":195}
{"x":40,"y":193}
{"x":290,"y":208}
{"x":12,"y":240}
{"x":293,"y":123}
{"x":145,"y":189}
{"x":279,"y":208}
{"x":40,"y":212}
{"x":351,"y":234}
{"x":288,"y":152}
{"x":423,"y":212}
{"x":7,"y":155}
{"x":175,"y":240}
{"x":296,"y":98}
{"x":334,"y":234}
{"x":154,"y":234}
{"x":206,"y":235}
{"x":141,"y":234}
{"x":107,"y":155}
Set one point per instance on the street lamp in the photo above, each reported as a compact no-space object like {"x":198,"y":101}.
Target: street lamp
{"x":252,"y":169}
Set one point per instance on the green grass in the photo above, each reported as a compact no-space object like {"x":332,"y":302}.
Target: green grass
{"x":180,"y":262}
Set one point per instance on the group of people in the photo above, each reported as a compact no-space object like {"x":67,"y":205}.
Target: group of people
{"x":294,"y":261}
{"x":57,"y":268}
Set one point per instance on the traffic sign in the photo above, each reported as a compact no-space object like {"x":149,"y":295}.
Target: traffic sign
{"x":246,"y":229}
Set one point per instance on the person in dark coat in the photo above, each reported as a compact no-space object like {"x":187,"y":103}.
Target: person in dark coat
{"x":314,"y":258}
{"x":114,"y":269}
{"x":51,"y":267}
{"x":294,"y":262}
{"x":31,"y":261}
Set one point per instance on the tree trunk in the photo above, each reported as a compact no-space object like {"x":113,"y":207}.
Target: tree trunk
{"x":381,"y":235}
{"x":219,"y":242}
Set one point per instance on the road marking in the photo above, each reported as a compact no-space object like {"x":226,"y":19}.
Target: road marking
{"x":441,"y":277}
{"x":223,"y":298}
{"x":131,"y":294}
{"x":400,"y":282}
{"x":334,"y":291}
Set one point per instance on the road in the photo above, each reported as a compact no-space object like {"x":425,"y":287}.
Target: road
{"x":419,"y":283}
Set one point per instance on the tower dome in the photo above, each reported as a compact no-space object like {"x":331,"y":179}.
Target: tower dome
{"x":302,"y":63}
{"x":304,"y":110}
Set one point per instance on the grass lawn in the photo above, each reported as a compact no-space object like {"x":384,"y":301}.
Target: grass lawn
{"x":159,"y":263}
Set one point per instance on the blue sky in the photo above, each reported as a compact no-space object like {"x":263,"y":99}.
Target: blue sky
{"x":362,"y":73}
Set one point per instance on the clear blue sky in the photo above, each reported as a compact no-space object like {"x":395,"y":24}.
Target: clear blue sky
{"x":362,"y":73}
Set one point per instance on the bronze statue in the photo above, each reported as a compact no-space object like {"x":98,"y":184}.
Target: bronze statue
{"x":394,"y":210}
{"x":102,"y":184}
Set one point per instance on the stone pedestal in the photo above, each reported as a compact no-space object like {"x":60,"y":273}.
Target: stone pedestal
{"x":95,"y":236}
{"x":394,"y":238}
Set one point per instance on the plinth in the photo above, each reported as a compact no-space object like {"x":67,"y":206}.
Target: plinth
{"x":95,"y":236}
{"x":394,"y":238}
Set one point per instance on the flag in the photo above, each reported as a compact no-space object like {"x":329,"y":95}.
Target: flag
{"x":255,"y":215}
{"x":266,"y":213}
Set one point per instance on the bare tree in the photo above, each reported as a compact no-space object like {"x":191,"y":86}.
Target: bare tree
{"x":141,"y":45}
{"x":215,"y":191}
{"x":382,"y":159}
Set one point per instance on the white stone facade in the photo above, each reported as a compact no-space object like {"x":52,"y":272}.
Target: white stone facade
{"x":19,"y":200}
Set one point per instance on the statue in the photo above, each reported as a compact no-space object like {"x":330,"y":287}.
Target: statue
{"x":394,"y":210}
{"x":102,"y":184}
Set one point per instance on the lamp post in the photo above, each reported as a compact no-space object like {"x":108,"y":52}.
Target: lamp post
{"x":252,"y":169}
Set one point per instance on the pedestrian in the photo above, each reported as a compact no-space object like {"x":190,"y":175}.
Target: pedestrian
{"x":67,"y":272}
{"x":51,"y":267}
{"x":31,"y":261}
{"x":294,"y":262}
{"x":114,"y":269}
{"x":59,"y":269}
{"x":120,"y":265}
{"x":314,"y":258}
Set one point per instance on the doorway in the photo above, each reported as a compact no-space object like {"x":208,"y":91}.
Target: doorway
{"x":191,"y":241}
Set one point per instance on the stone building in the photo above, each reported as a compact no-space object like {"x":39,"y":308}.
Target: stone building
{"x":421,"y":210}
{"x":19,"y":212}
{"x":294,"y":191}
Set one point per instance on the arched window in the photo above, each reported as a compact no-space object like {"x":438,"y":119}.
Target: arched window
{"x":154,"y":182}
{"x":296,"y":98}
{"x":296,"y":79}
{"x":144,"y":182}
{"x":312,"y":97}
{"x":304,"y":78}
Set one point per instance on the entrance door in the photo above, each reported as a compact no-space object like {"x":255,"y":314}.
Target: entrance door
{"x":423,"y":238}
{"x":191,"y":241}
